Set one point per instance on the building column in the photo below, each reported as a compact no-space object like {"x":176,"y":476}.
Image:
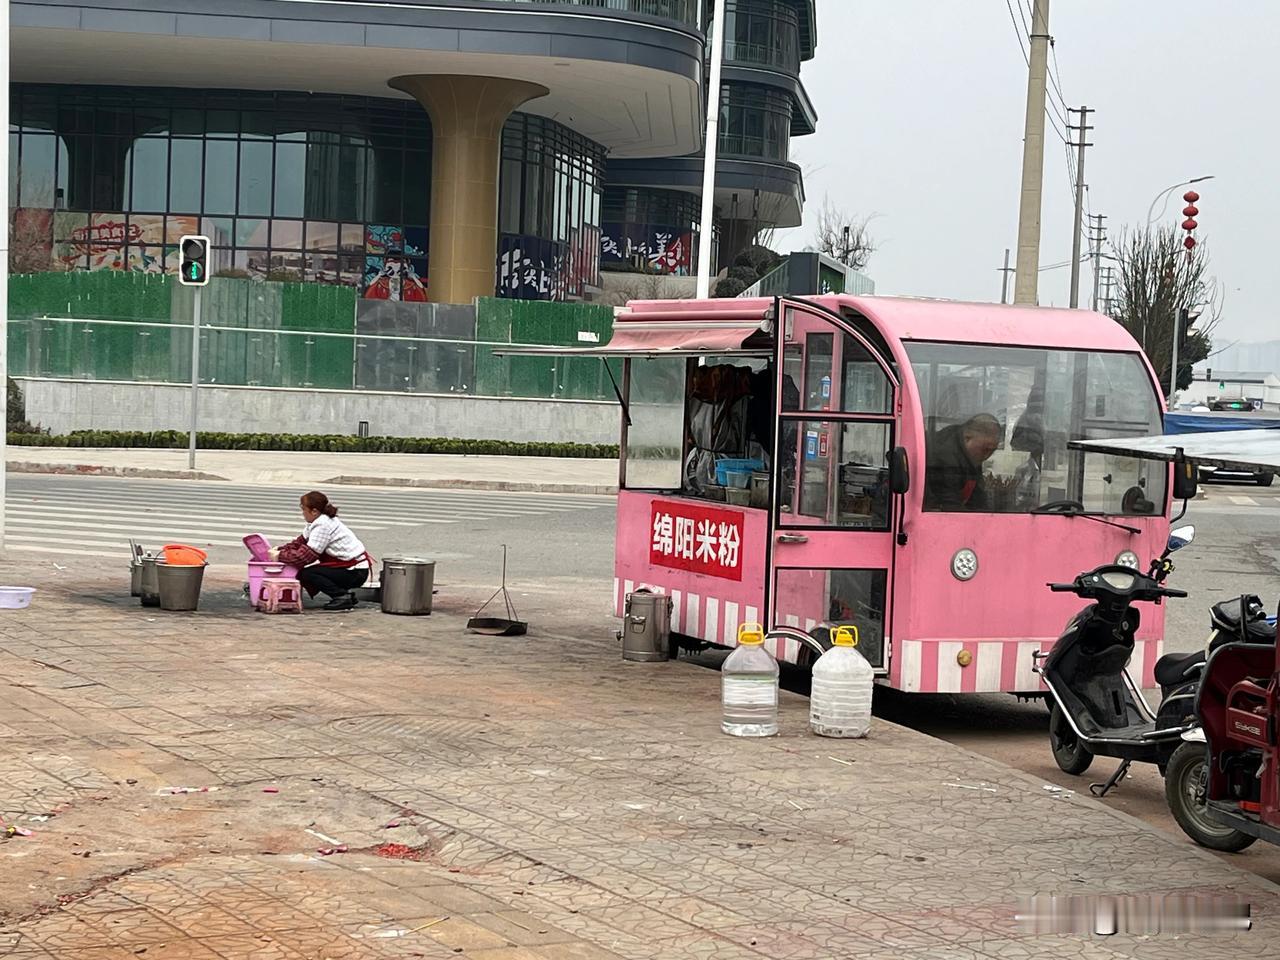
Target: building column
{"x":467,"y":116}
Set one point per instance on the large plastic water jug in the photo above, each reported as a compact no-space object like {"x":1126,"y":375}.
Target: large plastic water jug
{"x":840,"y":697}
{"x":749,"y":687}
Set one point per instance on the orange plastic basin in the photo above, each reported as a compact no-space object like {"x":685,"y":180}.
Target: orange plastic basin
{"x":181,"y":555}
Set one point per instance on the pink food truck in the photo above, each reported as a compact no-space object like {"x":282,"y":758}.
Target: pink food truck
{"x":901,"y":465}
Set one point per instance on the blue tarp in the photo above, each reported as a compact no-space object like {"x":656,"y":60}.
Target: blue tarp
{"x":1213,"y":423}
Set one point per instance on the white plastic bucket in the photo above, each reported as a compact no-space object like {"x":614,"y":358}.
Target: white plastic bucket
{"x":15,"y":598}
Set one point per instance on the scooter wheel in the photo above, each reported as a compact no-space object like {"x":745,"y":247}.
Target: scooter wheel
{"x":1072,"y":756}
{"x":1183,"y":790}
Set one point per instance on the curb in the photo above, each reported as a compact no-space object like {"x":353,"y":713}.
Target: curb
{"x":98,"y":470}
{"x":510,"y":486}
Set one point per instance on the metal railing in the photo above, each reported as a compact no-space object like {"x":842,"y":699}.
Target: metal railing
{"x":682,"y":11}
{"x":763,"y":54}
{"x":142,"y":351}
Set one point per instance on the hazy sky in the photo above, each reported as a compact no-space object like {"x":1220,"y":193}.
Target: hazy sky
{"x":921,"y":106}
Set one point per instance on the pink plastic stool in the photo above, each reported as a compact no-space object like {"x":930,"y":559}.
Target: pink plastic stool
{"x":280,"y":595}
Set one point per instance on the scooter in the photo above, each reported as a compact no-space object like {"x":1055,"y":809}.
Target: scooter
{"x":1097,"y":709}
{"x":1221,"y":783}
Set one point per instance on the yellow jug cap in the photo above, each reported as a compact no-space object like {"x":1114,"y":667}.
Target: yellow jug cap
{"x":750,"y":635}
{"x":845,"y":637}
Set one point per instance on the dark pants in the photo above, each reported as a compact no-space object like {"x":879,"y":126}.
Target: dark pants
{"x":331,"y":581}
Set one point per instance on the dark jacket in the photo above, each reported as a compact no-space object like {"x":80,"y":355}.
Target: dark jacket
{"x":952,"y":481}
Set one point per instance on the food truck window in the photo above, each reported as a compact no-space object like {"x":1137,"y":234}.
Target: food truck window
{"x":728,"y":423}
{"x":998,"y":421}
{"x":852,"y":382}
{"x":810,"y":600}
{"x":835,"y":474}
{"x":655,"y":446}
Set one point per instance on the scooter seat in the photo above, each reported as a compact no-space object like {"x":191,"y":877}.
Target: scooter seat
{"x":1172,"y":668}
{"x":1227,"y":615}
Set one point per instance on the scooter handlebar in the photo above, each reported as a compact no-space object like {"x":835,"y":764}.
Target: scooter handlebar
{"x":1063,"y":587}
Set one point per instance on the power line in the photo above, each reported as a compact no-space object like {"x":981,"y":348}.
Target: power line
{"x":1018,"y":33}
{"x":1056,"y":76}
{"x":1059,"y":107}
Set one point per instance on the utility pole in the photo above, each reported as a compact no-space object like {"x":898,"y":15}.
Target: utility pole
{"x":1027,"y":282}
{"x":1004,"y":279}
{"x":1097,"y":237}
{"x":711,"y":144}
{"x":1108,"y":281}
{"x":1083,"y":128}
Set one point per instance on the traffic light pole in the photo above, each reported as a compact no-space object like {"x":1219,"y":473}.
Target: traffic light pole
{"x":195,"y":379}
{"x":1179,"y":321}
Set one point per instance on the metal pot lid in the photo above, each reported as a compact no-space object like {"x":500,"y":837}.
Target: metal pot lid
{"x":409,"y":560}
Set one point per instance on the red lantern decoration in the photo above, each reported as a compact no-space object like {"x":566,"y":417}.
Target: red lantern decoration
{"x":1190,"y":210}
{"x":1189,"y":224}
{"x":1191,"y":196}
{"x":1189,"y":243}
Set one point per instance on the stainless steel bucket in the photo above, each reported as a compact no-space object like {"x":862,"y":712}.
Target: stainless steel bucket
{"x":407,"y":584}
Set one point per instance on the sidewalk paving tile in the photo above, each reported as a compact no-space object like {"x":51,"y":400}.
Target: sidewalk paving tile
{"x":513,"y":801}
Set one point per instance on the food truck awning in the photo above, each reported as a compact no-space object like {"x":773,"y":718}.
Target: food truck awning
{"x":668,"y":338}
{"x":1226,"y":450}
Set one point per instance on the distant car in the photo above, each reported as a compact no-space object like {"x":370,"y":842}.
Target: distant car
{"x":1237,"y":404}
{"x":1199,"y":408}
{"x":1263,"y":478}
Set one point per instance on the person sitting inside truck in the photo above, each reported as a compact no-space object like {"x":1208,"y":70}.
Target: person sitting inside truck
{"x":953,"y":467}
{"x":332,"y":559}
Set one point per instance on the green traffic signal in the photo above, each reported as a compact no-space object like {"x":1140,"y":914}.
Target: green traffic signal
{"x":193,"y":269}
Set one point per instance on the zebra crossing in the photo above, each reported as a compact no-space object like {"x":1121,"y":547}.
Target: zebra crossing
{"x":1263,"y":502}
{"x":98,"y":516}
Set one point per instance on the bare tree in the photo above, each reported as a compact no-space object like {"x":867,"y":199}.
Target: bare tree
{"x":646,"y":286}
{"x":844,"y":237}
{"x":1156,"y":278}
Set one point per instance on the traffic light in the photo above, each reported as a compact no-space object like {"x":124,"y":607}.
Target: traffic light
{"x":194,"y":269}
{"x":1184,"y":329}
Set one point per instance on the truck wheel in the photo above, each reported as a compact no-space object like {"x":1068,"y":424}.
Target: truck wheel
{"x":1072,"y":756}
{"x":1184,"y":784}
{"x":1264,"y":479}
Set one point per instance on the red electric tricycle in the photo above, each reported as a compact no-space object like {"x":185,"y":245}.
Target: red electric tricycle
{"x":1223,"y":782}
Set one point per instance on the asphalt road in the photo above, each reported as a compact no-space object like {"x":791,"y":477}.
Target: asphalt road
{"x":1236,"y":550}
{"x":560,"y":572}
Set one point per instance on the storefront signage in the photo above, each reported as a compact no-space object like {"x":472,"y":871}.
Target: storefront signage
{"x":696,"y":538}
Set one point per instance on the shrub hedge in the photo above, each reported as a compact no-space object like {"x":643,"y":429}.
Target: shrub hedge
{"x":330,"y":443}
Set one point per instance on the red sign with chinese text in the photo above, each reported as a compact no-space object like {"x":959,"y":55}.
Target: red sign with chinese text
{"x":700,"y":539}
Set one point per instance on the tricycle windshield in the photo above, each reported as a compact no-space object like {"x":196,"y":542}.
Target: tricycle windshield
{"x":998,"y":421}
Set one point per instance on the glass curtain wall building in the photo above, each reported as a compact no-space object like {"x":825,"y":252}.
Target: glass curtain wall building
{"x":289,"y":186}
{"x":763,"y":104}
{"x":319,"y":163}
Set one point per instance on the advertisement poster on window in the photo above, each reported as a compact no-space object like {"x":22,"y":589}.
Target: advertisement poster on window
{"x":584,"y":262}
{"x":830,"y":280}
{"x":529,"y":268}
{"x":660,"y":249}
{"x":112,"y":241}
{"x":395,"y":265}
{"x":393,"y":278}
